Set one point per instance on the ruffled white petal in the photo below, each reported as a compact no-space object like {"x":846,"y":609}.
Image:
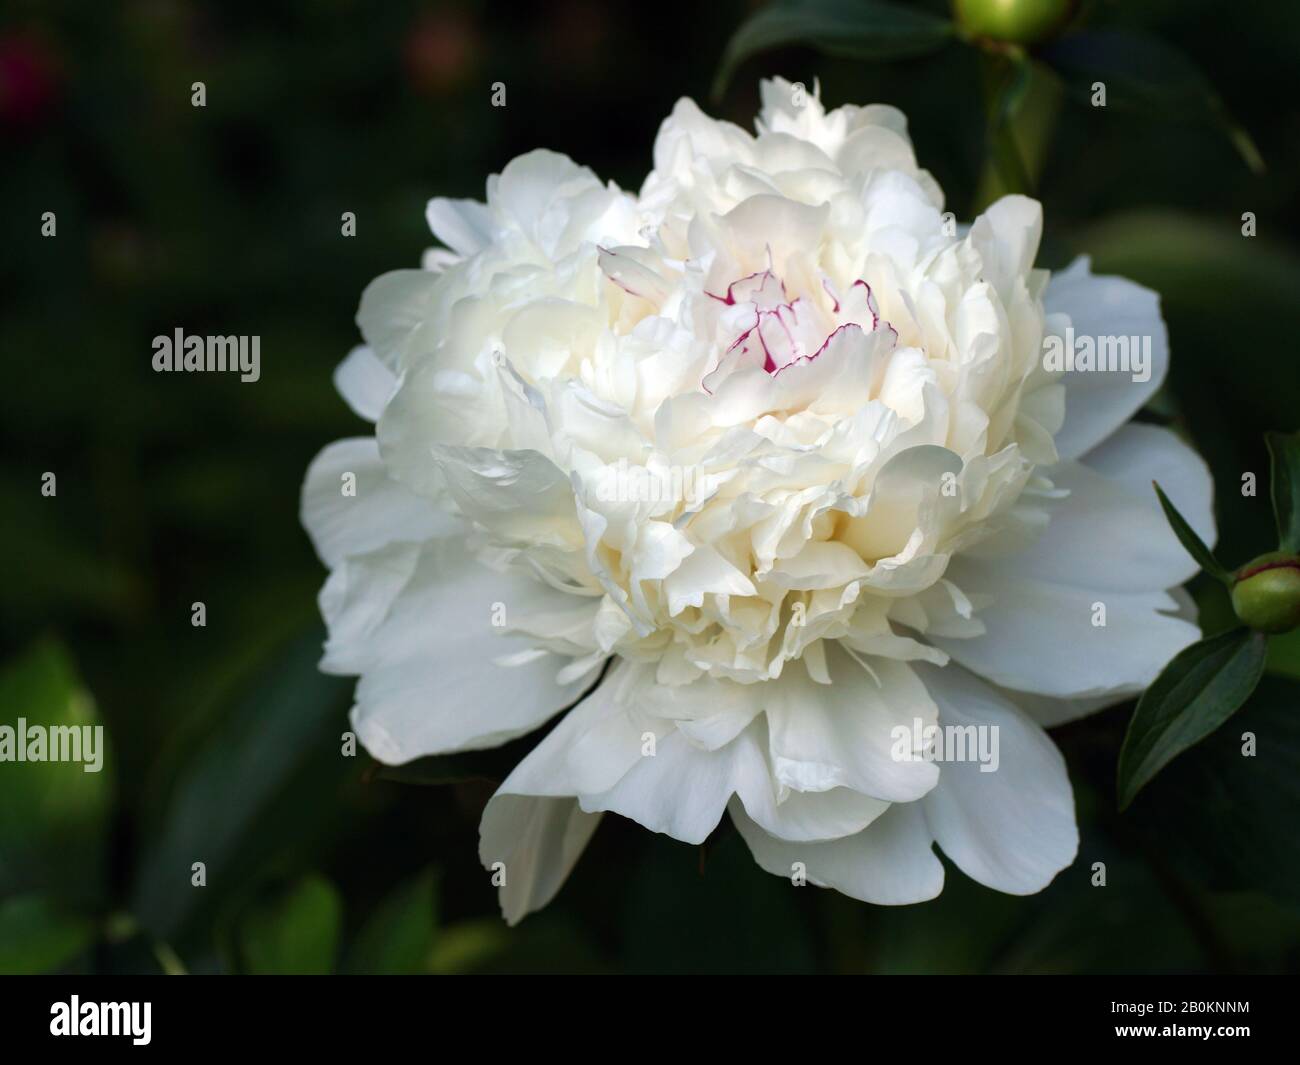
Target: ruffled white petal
{"x":437,"y":674}
{"x":380,"y":512}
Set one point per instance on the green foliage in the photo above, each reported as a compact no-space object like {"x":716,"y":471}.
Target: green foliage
{"x":1147,"y":75}
{"x":53,"y":815}
{"x":1199,"y":690}
{"x":295,"y":931}
{"x":853,"y":29}
{"x":36,"y":936}
{"x":398,"y":935}
{"x":256,"y":787}
{"x":1193,"y":544}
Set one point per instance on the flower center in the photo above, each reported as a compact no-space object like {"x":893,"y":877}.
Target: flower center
{"x":772,"y":331}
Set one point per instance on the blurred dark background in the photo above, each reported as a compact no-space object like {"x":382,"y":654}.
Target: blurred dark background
{"x":173,"y":489}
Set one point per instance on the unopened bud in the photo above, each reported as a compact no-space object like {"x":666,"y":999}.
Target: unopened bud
{"x":1014,"y":21}
{"x":1266,"y":592}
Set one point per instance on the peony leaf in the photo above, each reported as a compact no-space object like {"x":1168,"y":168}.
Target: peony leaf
{"x":849,"y":29}
{"x":267,"y":777}
{"x":1198,"y":691}
{"x":1226,"y":812}
{"x":1143,"y":73}
{"x":1194,"y":544}
{"x":1285,"y":453}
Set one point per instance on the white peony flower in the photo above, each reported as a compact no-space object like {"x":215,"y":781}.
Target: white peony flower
{"x":763,"y":465}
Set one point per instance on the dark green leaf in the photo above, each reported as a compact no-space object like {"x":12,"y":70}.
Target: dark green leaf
{"x":267,"y":778}
{"x":1187,"y":537}
{"x":294,"y":932}
{"x":1228,"y":811}
{"x":1143,"y":73}
{"x":1196,"y":693}
{"x":398,"y":936}
{"x":1285,"y":453}
{"x":36,"y":936}
{"x":851,"y":29}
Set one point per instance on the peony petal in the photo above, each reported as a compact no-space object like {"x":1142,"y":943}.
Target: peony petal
{"x":517,"y":495}
{"x":380,"y":512}
{"x":394,"y":316}
{"x":1040,"y":635}
{"x":364,"y":382}
{"x":537,"y":842}
{"x":889,"y":863}
{"x":1136,"y":455}
{"x":431,"y":679}
{"x":1099,"y":402}
{"x":833,"y":735}
{"x":1109,"y":533}
{"x":465,"y":226}
{"x":1011,"y":828}
{"x":680,"y":790}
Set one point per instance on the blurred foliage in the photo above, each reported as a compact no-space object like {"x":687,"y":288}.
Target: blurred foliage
{"x":226,"y":742}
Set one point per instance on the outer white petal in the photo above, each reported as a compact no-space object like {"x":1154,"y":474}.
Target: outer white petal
{"x":1109,"y":533}
{"x":889,"y":863}
{"x":465,"y":226}
{"x":833,"y":735}
{"x":432,"y":678}
{"x":1098,"y":403}
{"x":596,"y":744}
{"x":538,"y":841}
{"x":798,"y":815}
{"x":681,"y":790}
{"x":364,"y":382}
{"x":381,"y":512}
{"x":1040,"y":636}
{"x":394,"y":316}
{"x":1050,"y":712}
{"x":1012,"y":829}
{"x":1138,"y":454}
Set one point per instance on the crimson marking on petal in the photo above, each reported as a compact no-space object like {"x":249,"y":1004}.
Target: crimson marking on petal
{"x":730,"y":298}
{"x":825,"y":344}
{"x":871,"y":305}
{"x":609,"y":277}
{"x":831,"y":293}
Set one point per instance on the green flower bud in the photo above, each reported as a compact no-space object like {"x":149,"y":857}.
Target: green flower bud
{"x":1015,"y":21}
{"x":1266,"y":592}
